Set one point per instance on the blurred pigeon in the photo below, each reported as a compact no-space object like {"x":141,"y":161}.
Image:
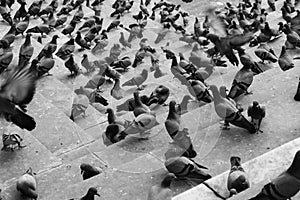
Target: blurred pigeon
{"x":80,"y":104}
{"x":117,"y":92}
{"x":26,"y":184}
{"x":18,"y":89}
{"x":139,"y":107}
{"x":51,"y":45}
{"x":162,"y":190}
{"x":137,"y":80}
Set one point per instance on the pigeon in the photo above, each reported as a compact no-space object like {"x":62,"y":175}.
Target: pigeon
{"x":123,"y":41}
{"x":46,"y":64}
{"x":202,"y":74}
{"x":228,"y":111}
{"x":81,"y":41}
{"x":51,"y":45}
{"x":122,"y":64}
{"x":237,"y":178}
{"x":66,"y":49}
{"x":111,"y":73}
{"x":159,"y":95}
{"x":34,"y":8}
{"x":18,"y":89}
{"x":89,"y":66}
{"x":264,"y":54}
{"x":68,"y":30}
{"x":100,"y":45}
{"x":10,"y":35}
{"x":143,"y":8}
{"x":22,"y":25}
{"x":95,"y":82}
{"x":80,"y":105}
{"x":285,"y":185}
{"x":10,"y":140}
{"x":115,"y":52}
{"x":42,"y":29}
{"x":172,"y":122}
{"x":297,"y":95}
{"x":162,"y":190}
{"x":90,"y":22}
{"x":5,"y":60}
{"x":257,"y":113}
{"x":185,"y":168}
{"x":141,"y":125}
{"x":88,"y":171}
{"x":285,"y":61}
{"x":271,"y":4}
{"x":91,"y":35}
{"x":27,"y":185}
{"x":242,"y":81}
{"x":90,"y":195}
{"x":72,"y":66}
{"x":78,"y":15}
{"x":184,"y":104}
{"x":129,"y":104}
{"x":161,"y":35}
{"x":5,"y":13}
{"x":112,"y":119}
{"x":198,"y":31}
{"x":137,"y":80}
{"x":21,"y":12}
{"x":181,"y":145}
{"x":139,"y":107}
{"x":199,"y":90}
{"x":117,"y":92}
{"x":225,"y":45}
{"x":292,"y":38}
{"x":139,"y":57}
{"x":60,"y":21}
{"x":25,"y":52}
{"x":114,"y":24}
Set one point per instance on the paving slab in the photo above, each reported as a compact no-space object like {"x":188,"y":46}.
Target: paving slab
{"x":14,"y":164}
{"x":274,"y":162}
{"x":62,"y":135}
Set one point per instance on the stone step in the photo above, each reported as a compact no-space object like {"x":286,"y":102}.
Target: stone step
{"x":62,"y":175}
{"x":274,"y":162}
{"x":63,"y":134}
{"x":14,"y":164}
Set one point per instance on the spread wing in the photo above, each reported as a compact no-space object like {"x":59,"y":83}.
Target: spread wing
{"x":18,"y":86}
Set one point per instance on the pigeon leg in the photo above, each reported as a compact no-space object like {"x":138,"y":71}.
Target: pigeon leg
{"x":225,"y":126}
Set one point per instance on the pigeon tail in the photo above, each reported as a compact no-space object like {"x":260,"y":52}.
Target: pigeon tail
{"x":240,"y":121}
{"x":23,"y":120}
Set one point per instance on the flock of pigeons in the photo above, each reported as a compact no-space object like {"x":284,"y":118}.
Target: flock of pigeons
{"x":223,"y":32}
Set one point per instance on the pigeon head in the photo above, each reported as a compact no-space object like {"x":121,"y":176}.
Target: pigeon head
{"x":168,"y":180}
{"x":255,"y":104}
{"x":93,"y":191}
{"x":235,"y":161}
{"x":84,"y":55}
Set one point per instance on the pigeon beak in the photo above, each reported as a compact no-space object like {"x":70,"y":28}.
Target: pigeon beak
{"x":97,"y":194}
